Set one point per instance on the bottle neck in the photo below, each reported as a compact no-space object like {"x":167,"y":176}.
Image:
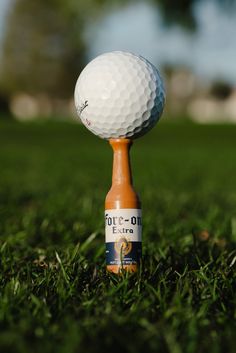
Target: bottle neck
{"x":121,"y":173}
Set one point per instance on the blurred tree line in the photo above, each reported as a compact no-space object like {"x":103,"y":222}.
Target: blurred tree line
{"x":44,"y":49}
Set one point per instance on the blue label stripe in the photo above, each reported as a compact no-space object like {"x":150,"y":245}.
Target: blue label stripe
{"x":114,"y":257}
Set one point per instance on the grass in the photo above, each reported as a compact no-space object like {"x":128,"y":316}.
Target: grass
{"x":55,"y":295}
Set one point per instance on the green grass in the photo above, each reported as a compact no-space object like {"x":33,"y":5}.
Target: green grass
{"x":55,"y":295}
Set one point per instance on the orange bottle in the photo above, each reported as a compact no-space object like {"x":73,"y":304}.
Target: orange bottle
{"x":123,"y":222}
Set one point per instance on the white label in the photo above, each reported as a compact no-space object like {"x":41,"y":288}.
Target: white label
{"x":123,"y":222}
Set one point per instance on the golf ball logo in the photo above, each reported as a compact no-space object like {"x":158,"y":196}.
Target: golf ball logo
{"x":81,"y":107}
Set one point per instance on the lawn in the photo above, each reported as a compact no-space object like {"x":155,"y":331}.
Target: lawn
{"x":55,"y":295}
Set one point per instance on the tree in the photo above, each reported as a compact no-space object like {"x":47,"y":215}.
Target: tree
{"x":43,"y":47}
{"x":182,"y":11}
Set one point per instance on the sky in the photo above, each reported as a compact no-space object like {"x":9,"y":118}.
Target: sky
{"x":210,"y":52}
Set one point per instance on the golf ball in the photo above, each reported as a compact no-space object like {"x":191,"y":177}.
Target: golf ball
{"x":119,"y":95}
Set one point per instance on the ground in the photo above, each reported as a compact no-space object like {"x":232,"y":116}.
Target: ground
{"x":55,"y":295}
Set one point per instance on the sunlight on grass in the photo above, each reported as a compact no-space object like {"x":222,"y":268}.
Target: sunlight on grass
{"x":55,"y":292}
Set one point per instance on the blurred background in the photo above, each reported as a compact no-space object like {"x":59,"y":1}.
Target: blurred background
{"x":54,"y":175}
{"x":45,"y":45}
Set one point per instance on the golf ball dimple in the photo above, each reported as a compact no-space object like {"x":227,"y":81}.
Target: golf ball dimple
{"x":119,"y":95}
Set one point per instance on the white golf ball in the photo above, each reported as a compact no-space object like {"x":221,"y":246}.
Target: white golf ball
{"x":119,"y":95}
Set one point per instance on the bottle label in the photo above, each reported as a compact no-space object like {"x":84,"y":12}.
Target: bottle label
{"x":123,"y":231}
